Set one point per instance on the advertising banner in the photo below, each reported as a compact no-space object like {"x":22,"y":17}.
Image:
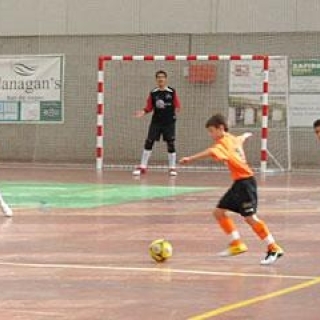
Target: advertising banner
{"x":31,"y":88}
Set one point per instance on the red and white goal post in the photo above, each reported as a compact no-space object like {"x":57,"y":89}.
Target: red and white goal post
{"x":103,"y":61}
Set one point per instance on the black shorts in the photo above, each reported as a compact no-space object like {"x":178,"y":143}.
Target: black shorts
{"x":167,"y":131}
{"x":242,"y":197}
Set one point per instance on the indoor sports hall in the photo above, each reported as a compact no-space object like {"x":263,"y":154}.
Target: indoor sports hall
{"x":78,"y":221}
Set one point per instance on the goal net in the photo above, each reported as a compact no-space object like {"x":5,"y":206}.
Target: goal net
{"x":251,"y":91}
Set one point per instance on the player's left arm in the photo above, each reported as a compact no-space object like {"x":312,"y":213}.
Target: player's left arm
{"x":244,"y":137}
{"x":176,"y":102}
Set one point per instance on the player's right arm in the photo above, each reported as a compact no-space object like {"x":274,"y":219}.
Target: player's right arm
{"x":200,"y":155}
{"x":148,"y":108}
{"x":216,"y":153}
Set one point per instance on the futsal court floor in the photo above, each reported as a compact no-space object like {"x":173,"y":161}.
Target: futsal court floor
{"x":77,"y":247}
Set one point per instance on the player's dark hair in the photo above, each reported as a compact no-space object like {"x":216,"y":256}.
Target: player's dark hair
{"x":316,"y":124}
{"x":161,"y":72}
{"x":216,"y":121}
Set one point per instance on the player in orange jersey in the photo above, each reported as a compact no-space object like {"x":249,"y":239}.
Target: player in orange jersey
{"x":242,"y":196}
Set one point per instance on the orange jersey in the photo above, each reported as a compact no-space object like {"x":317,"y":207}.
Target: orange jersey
{"x":229,"y":150}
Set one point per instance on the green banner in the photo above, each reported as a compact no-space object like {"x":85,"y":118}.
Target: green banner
{"x":50,"y":111}
{"x":310,"y":67}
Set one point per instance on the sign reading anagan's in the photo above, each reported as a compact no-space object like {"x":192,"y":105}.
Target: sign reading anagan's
{"x":31,"y":88}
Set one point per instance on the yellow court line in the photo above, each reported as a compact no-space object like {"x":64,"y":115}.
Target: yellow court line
{"x":248,"y":302}
{"x":206,"y":315}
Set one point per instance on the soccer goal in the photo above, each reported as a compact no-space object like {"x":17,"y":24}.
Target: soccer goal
{"x":250,"y":90}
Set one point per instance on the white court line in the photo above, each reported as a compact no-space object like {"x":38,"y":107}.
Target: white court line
{"x":160,"y":270}
{"x":289,"y":188}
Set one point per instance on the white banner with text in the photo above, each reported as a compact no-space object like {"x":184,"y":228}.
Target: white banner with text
{"x":31,"y":88}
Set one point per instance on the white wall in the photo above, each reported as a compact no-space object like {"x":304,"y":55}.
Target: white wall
{"x":68,"y":17}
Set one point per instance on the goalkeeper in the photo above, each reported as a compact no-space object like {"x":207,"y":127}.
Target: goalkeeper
{"x":163,"y":102}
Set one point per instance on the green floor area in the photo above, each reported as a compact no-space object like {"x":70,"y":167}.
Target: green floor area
{"x":69,"y":195}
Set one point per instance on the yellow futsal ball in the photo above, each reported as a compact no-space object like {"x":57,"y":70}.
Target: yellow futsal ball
{"x":160,"y":250}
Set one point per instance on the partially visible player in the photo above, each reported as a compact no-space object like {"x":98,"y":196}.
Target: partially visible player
{"x":316,"y":127}
{"x":6,"y":210}
{"x":242,"y":196}
{"x":164,"y":102}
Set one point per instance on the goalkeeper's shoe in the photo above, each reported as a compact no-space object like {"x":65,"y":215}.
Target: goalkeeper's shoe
{"x":139,"y":171}
{"x":173,"y":172}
